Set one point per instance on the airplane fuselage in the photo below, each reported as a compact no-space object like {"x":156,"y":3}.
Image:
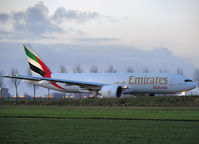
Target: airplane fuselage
{"x":133,"y":82}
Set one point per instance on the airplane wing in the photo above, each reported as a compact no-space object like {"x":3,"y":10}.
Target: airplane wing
{"x":82,"y":84}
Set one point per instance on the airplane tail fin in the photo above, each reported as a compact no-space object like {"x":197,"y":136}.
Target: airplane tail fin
{"x":37,"y":66}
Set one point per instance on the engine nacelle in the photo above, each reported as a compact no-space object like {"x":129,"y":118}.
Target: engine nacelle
{"x":111,"y":91}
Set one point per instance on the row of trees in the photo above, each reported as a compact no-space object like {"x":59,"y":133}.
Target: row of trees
{"x":111,"y":69}
{"x":78,"y":69}
{"x":93,"y":69}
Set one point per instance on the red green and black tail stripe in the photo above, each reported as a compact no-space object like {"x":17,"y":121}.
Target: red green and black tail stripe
{"x":37,"y":70}
{"x":36,"y":64}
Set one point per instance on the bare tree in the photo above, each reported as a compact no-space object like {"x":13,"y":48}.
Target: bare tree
{"x":179,"y":71}
{"x":63,"y":69}
{"x":130,"y":69}
{"x":1,"y":84}
{"x":196,"y":76}
{"x":164,"y":71}
{"x":111,"y":69}
{"x":34,"y":86}
{"x":94,"y":69}
{"x":15,"y":82}
{"x":77,"y":69}
{"x":145,"y":70}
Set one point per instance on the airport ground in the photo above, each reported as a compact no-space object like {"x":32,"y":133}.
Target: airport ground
{"x":98,"y":124}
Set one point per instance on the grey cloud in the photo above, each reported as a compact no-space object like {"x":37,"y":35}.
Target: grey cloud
{"x":35,"y":22}
{"x":99,"y":39}
{"x":62,"y":13}
{"x":4,"y":17}
{"x":81,"y":33}
{"x":18,"y":16}
{"x":22,"y":35}
{"x":162,"y":50}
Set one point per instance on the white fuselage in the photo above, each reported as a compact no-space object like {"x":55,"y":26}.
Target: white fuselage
{"x":151,"y":83}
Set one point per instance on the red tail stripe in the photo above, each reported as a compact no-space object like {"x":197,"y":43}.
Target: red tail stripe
{"x":45,"y":68}
{"x":48,"y":73}
{"x":56,"y":85}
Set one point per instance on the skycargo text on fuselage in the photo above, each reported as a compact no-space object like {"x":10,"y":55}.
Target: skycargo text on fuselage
{"x":148,"y":80}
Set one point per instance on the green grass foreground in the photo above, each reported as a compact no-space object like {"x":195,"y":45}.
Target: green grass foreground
{"x":97,"y":131}
{"x":71,"y":126}
{"x":173,"y":113}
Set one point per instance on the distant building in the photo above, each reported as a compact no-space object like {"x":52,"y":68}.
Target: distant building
{"x":5,"y":93}
{"x":59,"y":95}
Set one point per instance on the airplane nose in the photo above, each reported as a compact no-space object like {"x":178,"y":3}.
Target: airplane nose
{"x":194,"y":85}
{"x":191,"y":86}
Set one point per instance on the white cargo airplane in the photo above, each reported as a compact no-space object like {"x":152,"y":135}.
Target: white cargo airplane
{"x":105,"y":84}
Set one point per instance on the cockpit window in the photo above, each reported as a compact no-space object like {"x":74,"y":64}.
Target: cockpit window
{"x":188,"y":80}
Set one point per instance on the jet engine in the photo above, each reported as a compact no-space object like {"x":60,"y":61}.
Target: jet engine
{"x":111,"y":91}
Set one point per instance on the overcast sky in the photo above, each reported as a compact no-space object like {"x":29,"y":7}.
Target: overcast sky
{"x":158,"y":34}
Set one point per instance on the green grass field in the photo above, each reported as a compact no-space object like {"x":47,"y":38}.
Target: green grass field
{"x":62,"y":124}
